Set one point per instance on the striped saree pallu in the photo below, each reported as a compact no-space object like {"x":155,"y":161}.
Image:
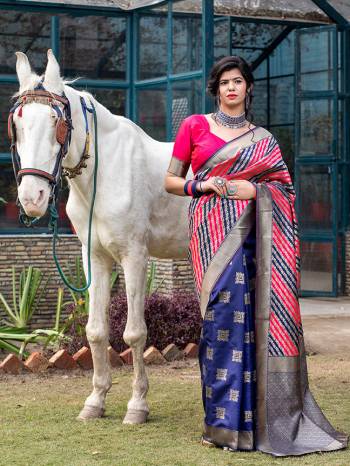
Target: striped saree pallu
{"x":245,"y":259}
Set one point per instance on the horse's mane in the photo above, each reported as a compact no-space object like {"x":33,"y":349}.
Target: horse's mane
{"x":105,"y":109}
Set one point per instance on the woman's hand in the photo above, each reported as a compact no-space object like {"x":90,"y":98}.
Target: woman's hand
{"x":245,"y":189}
{"x":210,"y":186}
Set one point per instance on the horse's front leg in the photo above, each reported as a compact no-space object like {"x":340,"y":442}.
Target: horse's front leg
{"x":97,"y":331}
{"x":135,"y":334}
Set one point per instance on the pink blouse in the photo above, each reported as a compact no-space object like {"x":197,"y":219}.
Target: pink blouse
{"x":195,"y":143}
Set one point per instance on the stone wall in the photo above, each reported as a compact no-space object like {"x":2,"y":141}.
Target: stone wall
{"x":347,"y":263}
{"x":36,"y":250}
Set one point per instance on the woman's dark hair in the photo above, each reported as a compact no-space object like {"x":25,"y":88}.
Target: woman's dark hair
{"x":226,"y":64}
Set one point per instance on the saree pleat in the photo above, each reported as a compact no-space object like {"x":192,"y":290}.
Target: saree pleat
{"x":245,"y":258}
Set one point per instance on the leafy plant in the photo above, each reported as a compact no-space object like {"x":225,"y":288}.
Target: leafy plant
{"x":151,"y":280}
{"x":11,"y":335}
{"x":26,"y":295}
{"x":74,"y":331}
{"x":76,"y":277}
{"x":2,"y":201}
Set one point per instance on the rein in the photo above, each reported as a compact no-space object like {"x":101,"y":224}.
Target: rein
{"x":63,"y":136}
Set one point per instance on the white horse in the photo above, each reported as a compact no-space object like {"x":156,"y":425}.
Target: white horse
{"x":134,"y":217}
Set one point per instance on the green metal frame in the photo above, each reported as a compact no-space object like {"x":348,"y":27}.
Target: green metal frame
{"x":329,"y":160}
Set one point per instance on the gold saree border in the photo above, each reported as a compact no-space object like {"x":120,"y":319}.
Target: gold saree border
{"x":232,"y":147}
{"x":242,"y":439}
{"x":178,"y":167}
{"x":268,"y":367}
{"x":224,"y":254}
{"x":262,"y":309}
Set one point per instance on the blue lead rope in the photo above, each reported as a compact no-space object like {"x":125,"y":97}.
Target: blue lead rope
{"x":54,"y":214}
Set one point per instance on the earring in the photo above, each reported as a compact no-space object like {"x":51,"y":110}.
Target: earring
{"x":247,"y":99}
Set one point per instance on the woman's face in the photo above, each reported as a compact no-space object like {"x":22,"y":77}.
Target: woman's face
{"x":232,"y":89}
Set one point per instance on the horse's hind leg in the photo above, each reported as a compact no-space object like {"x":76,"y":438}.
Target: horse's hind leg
{"x":97,"y":332}
{"x":135,"y":334}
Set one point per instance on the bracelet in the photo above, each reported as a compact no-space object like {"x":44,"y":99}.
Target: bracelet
{"x":186,"y":187}
{"x":190,"y":188}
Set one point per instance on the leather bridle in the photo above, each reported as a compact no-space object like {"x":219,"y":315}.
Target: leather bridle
{"x":60,"y":104}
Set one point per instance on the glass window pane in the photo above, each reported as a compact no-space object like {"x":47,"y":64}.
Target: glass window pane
{"x":316,"y":127}
{"x":152,"y":47}
{"x":187,"y":44}
{"x":151,"y":105}
{"x":316,"y":61}
{"x":113,"y":99}
{"x":28,"y":32}
{"x":6,"y":91}
{"x":282,"y":101}
{"x":261,"y":70}
{"x":315,"y":197}
{"x":259,"y":106}
{"x":317,"y":81}
{"x":186,"y":101}
{"x":221,"y":39}
{"x":285,"y":138}
{"x":100,"y":39}
{"x":9,"y":211}
{"x":282,"y":59}
{"x":316,"y":266}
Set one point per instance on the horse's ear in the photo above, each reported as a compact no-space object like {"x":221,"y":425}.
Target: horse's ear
{"x":52,"y":79}
{"x":23,"y":69}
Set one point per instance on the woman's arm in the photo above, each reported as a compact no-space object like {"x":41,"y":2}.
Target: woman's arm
{"x":175,"y":185}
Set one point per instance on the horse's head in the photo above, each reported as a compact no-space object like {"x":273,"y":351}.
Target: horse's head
{"x":39,"y":128}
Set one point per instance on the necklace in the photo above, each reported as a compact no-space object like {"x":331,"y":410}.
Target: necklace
{"x":234,"y":122}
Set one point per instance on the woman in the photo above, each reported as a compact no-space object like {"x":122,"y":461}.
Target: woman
{"x":244,"y":251}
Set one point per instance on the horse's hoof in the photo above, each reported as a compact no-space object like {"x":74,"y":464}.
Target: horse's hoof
{"x":135,"y":416}
{"x":90,"y":412}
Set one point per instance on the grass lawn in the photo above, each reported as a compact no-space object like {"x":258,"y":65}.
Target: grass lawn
{"x":38,"y":426}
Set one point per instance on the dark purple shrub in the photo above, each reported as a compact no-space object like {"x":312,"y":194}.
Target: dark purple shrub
{"x":118,"y":309}
{"x":188,"y":320}
{"x":169,"y":319}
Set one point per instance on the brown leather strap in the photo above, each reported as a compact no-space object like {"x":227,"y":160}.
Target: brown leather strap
{"x":49,"y":95}
{"x":35,"y":172}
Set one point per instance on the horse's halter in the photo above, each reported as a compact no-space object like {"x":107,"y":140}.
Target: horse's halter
{"x":63,"y":133}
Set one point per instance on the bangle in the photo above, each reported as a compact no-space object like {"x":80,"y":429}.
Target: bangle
{"x":195,"y":191}
{"x":190,"y":188}
{"x":186,"y":187}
